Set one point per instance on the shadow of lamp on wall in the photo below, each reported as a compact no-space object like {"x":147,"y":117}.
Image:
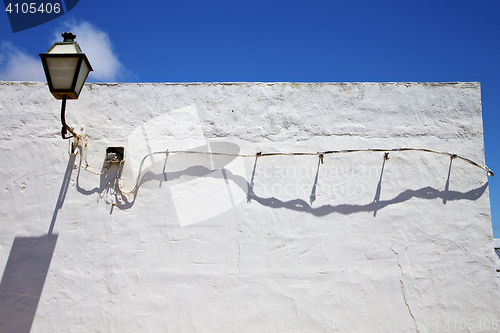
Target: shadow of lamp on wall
{"x":66,"y":69}
{"x":23,"y":280}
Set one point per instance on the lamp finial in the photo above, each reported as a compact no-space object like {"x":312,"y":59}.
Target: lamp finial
{"x":68,"y":37}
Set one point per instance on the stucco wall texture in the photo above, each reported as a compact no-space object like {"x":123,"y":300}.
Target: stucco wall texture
{"x":224,"y":243}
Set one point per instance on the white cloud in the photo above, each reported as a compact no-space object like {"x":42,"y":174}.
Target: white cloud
{"x":17,"y":65}
{"x":96,"y":44}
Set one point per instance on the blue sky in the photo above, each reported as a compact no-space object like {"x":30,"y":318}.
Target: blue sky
{"x":304,"y":41}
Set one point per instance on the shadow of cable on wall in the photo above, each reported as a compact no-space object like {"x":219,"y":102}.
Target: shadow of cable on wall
{"x":26,"y":271}
{"x":428,"y":193}
{"x":298,"y":204}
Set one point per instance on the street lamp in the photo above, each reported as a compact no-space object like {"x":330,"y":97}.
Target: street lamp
{"x":66,"y":69}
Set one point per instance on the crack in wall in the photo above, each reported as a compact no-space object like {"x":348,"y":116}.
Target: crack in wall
{"x":403,"y":292}
{"x":408,"y":289}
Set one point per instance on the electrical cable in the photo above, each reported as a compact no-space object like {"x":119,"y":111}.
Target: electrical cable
{"x":83,"y":157}
{"x":319,"y":154}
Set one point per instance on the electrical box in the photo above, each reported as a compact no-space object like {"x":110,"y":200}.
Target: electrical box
{"x":115,"y":155}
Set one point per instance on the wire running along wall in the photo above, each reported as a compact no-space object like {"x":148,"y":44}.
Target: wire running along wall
{"x":260,"y":154}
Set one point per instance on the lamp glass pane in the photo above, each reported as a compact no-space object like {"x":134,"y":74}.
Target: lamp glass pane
{"x":62,"y":71}
{"x":82,"y":76}
{"x":63,"y":48}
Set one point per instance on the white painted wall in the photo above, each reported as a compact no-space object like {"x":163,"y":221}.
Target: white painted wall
{"x":225,"y":244}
